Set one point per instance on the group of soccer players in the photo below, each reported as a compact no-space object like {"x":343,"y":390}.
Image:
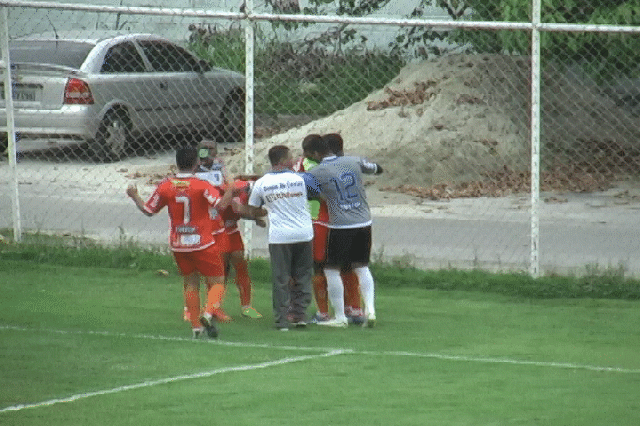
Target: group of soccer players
{"x":320,"y":218}
{"x":342,"y":231}
{"x":204,"y":236}
{"x":204,"y":209}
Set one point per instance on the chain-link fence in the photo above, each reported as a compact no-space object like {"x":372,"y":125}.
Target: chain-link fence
{"x":439,"y":92}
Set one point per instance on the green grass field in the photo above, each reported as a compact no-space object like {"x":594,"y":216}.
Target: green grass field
{"x":107,"y":346}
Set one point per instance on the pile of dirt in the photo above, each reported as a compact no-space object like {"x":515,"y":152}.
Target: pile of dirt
{"x":458,"y":126}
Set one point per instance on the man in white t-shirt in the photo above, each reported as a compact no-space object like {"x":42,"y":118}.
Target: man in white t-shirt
{"x":282,"y":195}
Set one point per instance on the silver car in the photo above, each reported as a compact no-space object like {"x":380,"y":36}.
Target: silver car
{"x":107,"y":89}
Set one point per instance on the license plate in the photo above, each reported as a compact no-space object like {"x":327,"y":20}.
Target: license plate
{"x":22,"y":94}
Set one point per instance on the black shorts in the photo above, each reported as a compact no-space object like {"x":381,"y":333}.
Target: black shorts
{"x":348,"y":246}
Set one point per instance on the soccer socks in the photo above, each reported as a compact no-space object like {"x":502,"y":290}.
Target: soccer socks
{"x":367,"y":289}
{"x":192,"y":303}
{"x":243,"y":282}
{"x":335,"y":290}
{"x":214,"y":297}
{"x":351,"y":290}
{"x":320,"y":293}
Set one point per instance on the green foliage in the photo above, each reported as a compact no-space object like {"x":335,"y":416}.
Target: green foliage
{"x":83,"y":252}
{"x":605,"y":56}
{"x":315,"y":77}
{"x":221,"y":47}
{"x":606,"y":284}
{"x":80,"y":252}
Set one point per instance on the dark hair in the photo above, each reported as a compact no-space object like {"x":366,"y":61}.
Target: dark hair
{"x":186,"y":158}
{"x":334,"y":142}
{"x":277,"y":154}
{"x":315,"y":143}
{"x":308,"y":141}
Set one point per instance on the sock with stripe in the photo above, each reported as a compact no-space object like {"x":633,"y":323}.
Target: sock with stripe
{"x":243,"y":282}
{"x":192,"y":303}
{"x":351,"y":290}
{"x":215,"y":294}
{"x":320,"y":293}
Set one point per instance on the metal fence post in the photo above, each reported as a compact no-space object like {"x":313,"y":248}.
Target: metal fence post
{"x":534,"y":266}
{"x":11,"y":135}
{"x":249,"y":112}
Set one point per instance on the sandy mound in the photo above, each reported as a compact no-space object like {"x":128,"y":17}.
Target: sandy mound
{"x":458,"y":126}
{"x":432,"y":123}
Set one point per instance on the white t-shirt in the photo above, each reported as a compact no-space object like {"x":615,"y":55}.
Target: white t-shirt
{"x":284,"y":195}
{"x":214,"y":175}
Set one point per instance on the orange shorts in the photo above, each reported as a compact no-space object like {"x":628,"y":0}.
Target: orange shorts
{"x":209,"y":262}
{"x":222,"y":242}
{"x":320,"y":233}
{"x":235,"y":242}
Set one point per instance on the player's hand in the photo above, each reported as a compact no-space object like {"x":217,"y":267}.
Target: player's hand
{"x":247,"y":177}
{"x":132,"y":190}
{"x":237,"y":187}
{"x":261,"y":222}
{"x":236,"y":205}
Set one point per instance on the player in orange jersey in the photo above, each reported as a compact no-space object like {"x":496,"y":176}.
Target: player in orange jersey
{"x":212,"y":169}
{"x":192,"y":235}
{"x":235,"y":255}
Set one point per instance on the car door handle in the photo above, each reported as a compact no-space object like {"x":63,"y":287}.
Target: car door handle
{"x":164,"y":85}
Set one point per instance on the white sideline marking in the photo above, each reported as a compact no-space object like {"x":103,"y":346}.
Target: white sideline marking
{"x":173,"y":339}
{"x":151,"y":383}
{"x":550,"y":364}
{"x":567,"y":365}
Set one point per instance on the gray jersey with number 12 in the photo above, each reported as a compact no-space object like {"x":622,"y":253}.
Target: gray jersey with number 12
{"x":340,"y":180}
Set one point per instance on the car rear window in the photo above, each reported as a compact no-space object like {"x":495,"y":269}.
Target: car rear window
{"x":62,"y":52}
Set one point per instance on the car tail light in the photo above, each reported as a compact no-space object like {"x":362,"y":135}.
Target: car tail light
{"x":77,"y":92}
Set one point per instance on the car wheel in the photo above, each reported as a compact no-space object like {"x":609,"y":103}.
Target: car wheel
{"x":232,"y":120}
{"x":113,"y":138}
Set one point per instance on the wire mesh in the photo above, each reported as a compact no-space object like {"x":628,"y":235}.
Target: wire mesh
{"x":445,"y":111}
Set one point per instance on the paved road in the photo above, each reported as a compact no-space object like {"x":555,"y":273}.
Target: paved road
{"x":451,"y":241}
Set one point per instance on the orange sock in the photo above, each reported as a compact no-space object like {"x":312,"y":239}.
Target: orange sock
{"x":192,"y":302}
{"x":351,"y":290}
{"x":243,"y":282}
{"x":214,"y":297}
{"x":320,"y":292}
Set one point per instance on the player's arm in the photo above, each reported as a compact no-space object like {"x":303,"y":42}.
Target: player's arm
{"x":225,"y":173}
{"x":370,"y":167}
{"x":312,"y":184}
{"x":261,"y":222}
{"x":231,"y":191}
{"x":132,"y":192}
{"x":247,"y":177}
{"x":253,"y":209}
{"x":252,"y":212}
{"x":240,"y":209}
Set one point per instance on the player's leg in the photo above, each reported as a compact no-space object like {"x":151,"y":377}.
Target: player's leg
{"x":352,"y":297}
{"x":243,"y":281}
{"x":319,"y":281}
{"x":222,"y":246}
{"x":338,"y":248}
{"x":320,"y":294}
{"x":280,"y":257}
{"x":211,"y":266}
{"x":360,"y":260}
{"x":301,"y":270}
{"x":190,"y":289}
